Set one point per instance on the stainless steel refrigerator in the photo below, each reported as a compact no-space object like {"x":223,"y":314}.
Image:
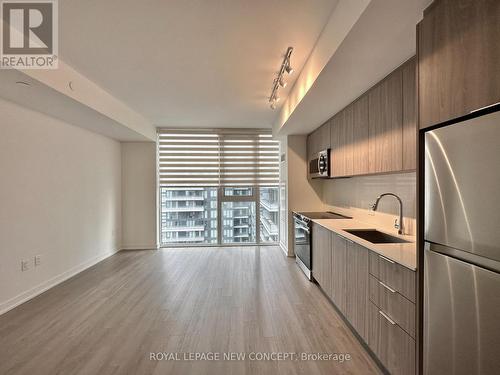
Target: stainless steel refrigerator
{"x":462,"y":248}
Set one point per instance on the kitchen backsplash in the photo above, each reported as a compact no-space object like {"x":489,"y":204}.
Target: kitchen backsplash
{"x":354,"y":196}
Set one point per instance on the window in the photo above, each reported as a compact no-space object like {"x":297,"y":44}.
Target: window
{"x":269,"y":214}
{"x":218,"y":186}
{"x":239,"y":222}
{"x":188,"y":215}
{"x":238,"y":192}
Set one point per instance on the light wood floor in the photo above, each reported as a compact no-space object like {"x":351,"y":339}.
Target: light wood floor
{"x":109,"y":318}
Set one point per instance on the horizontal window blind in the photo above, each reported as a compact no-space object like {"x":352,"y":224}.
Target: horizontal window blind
{"x":223,"y":157}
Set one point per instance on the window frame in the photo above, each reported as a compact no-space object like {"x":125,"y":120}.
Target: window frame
{"x":255,"y":184}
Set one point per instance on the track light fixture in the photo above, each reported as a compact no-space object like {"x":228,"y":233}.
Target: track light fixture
{"x":279,"y":81}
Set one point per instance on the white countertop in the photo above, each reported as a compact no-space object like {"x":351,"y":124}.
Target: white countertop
{"x":402,"y":253}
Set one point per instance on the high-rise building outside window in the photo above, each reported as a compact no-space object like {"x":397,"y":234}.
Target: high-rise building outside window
{"x":218,"y":187}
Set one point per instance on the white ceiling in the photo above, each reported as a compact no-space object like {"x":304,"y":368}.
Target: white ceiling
{"x":41,"y":98}
{"x":382,"y":39}
{"x":190,"y":63}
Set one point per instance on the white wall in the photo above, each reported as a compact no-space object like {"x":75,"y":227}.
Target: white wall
{"x":60,"y":197}
{"x":139,"y":195}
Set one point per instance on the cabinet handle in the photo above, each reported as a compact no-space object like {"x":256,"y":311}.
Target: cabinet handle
{"x":386,"y":259}
{"x":387,"y":318}
{"x":387,"y":287}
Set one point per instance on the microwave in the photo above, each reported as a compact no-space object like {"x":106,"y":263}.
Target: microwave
{"x":319,"y":166}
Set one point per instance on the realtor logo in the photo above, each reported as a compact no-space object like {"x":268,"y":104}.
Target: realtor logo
{"x":29,"y":34}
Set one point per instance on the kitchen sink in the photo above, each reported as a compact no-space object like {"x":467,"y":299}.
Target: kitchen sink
{"x":375,"y":236}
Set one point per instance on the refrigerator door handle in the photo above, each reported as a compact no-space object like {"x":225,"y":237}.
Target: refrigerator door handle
{"x":464,"y":256}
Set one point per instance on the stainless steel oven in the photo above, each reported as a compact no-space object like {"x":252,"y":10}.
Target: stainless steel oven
{"x":319,"y":167}
{"x":302,"y":243}
{"x":303,"y":234}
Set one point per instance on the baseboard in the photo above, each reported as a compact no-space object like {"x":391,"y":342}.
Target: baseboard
{"x":46,"y":285}
{"x":139,"y":247}
{"x":285,"y":250}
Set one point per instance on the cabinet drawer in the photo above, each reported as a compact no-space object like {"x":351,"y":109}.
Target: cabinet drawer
{"x":393,"y":346}
{"x":394,"y":275}
{"x":393,"y":304}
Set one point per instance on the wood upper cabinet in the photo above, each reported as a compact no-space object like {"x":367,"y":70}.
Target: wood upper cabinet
{"x":409,"y":72}
{"x":359,"y":145}
{"x":310,"y":141}
{"x":385,"y":125}
{"x":357,"y":286}
{"x":324,"y":136}
{"x":377,"y":133}
{"x":318,"y":140}
{"x":336,"y":129}
{"x":341,"y":140}
{"x":322,"y":257}
{"x":458,"y":58}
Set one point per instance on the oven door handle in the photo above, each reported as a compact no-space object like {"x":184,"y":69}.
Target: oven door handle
{"x":301,"y":225}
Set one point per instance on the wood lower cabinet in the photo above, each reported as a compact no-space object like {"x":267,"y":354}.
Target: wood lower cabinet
{"x":322,"y":257}
{"x":357,"y":288}
{"x":385,"y":125}
{"x":392,"y":345}
{"x":375,"y":294}
{"x":400,"y":309}
{"x":339,"y":261}
{"x":395,"y":276}
{"x":458,"y":59}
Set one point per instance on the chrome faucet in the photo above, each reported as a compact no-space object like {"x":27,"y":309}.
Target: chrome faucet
{"x":398,"y":226}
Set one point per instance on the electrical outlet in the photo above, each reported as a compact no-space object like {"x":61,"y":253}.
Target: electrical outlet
{"x":38,"y":260}
{"x":25,"y":265}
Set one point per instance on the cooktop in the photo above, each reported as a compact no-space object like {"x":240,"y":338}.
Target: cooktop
{"x":323,"y":215}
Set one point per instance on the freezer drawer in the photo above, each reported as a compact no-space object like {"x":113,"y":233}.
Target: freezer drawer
{"x":461,"y":317}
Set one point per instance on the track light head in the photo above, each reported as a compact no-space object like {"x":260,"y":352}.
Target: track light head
{"x":278,"y":81}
